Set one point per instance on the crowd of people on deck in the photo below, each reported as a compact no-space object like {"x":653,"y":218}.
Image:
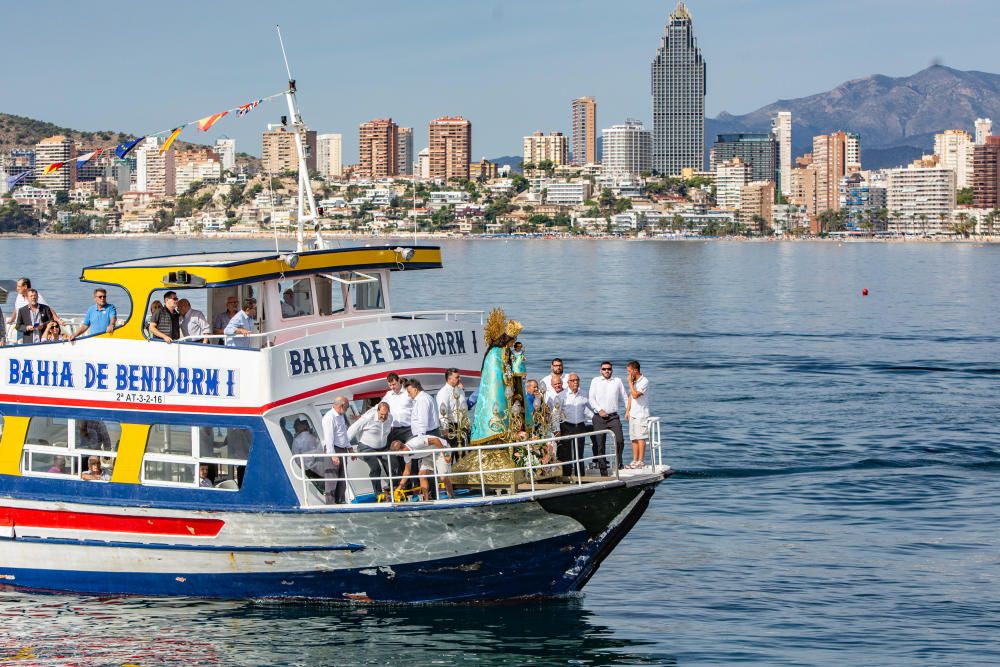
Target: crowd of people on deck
{"x":172,"y":319}
{"x":408,"y":422}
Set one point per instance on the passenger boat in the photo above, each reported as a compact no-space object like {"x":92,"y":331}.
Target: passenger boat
{"x":160,"y":416}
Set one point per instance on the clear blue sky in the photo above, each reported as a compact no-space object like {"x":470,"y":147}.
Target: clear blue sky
{"x":510,"y":66}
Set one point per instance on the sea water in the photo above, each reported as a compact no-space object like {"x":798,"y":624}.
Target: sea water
{"x":838,"y":462}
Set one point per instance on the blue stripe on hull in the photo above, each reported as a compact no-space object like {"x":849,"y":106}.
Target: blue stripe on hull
{"x":550,"y":567}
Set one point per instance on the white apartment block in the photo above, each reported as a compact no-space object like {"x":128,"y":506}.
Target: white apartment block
{"x":984,"y":128}
{"x":852,"y":153}
{"x":540,"y":147}
{"x":920,"y":199}
{"x":627,"y":149}
{"x":225,"y":148}
{"x":566,"y":194}
{"x":196,"y":171}
{"x":423,"y":164}
{"x":54,"y":150}
{"x":155,"y":171}
{"x":730,"y":177}
{"x":329,"y":155}
{"x":954,"y":151}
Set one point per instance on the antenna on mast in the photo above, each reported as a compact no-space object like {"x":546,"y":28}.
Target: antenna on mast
{"x":306,"y":197}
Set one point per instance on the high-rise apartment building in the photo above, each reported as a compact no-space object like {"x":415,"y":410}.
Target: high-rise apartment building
{"x":404,"y":144}
{"x":678,"y":87}
{"x":861,"y":201}
{"x":584,"y":123}
{"x":540,"y":147}
{"x":730,"y":177}
{"x":155,"y":171}
{"x":953,"y":149}
{"x":378,"y":150}
{"x":423,"y":165}
{"x":984,"y":128}
{"x":829,"y":158}
{"x":278,"y":152}
{"x":919,"y":199}
{"x":54,"y":150}
{"x":757,"y":149}
{"x":781,"y":128}
{"x":450,"y":144}
{"x":757,"y":205}
{"x":986,"y":174}
{"x":627,"y":149}
{"x":852,"y":153}
{"x":329,"y":155}
{"x":225,"y":148}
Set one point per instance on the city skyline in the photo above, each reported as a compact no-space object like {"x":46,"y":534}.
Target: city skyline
{"x":518,"y":87}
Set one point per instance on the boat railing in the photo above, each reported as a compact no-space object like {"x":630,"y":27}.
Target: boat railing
{"x":536,"y":475}
{"x":72,"y":322}
{"x":288,"y":334}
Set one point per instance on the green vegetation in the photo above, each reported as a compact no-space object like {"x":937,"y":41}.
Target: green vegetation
{"x":964,"y":197}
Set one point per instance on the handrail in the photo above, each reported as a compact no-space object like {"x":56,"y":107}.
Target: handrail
{"x":340,"y":323}
{"x":305,"y":461}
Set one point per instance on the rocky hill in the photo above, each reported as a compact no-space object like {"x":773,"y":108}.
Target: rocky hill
{"x":896,"y":117}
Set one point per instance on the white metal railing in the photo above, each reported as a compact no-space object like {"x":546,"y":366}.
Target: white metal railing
{"x":340,"y":323}
{"x":71,"y":323}
{"x":532,"y":470}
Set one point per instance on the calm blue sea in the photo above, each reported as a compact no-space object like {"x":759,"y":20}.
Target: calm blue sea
{"x":839,"y":466}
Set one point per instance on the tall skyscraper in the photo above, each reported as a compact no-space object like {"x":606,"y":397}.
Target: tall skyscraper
{"x":539,"y":147}
{"x":225,"y":148}
{"x":378,"y":149}
{"x":404,"y":161}
{"x":329,"y":152}
{"x":678,"y":86}
{"x":830,"y":161}
{"x":986,"y":174}
{"x":984,"y":128}
{"x":852,"y":153}
{"x":54,"y":150}
{"x":626,"y":149}
{"x":584,"y":130}
{"x":450,"y":143}
{"x":757,"y":149}
{"x":781,"y":128}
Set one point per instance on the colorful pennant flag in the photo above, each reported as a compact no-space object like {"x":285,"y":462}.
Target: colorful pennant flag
{"x":126,"y":148}
{"x":208,"y":121}
{"x":55,"y":166}
{"x":244,"y":109}
{"x":14,"y":180}
{"x":87,"y":157}
{"x":170,"y":140}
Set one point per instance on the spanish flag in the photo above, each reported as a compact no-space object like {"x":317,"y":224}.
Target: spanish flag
{"x":55,"y":166}
{"x":208,"y":121}
{"x":170,"y":140}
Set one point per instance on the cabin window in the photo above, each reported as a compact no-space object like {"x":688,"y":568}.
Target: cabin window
{"x":60,"y":447}
{"x":329,"y":296}
{"x":196,"y":456}
{"x":295,"y":297}
{"x":367,"y":295}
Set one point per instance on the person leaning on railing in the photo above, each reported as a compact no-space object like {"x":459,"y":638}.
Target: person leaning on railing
{"x":421,"y":450}
{"x":371,"y":431}
{"x":241,"y":327}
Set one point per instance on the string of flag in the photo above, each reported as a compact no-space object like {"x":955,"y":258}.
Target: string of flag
{"x":123,"y":149}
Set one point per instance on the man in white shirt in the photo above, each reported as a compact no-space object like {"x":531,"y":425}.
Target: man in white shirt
{"x":453,"y":409}
{"x":336,"y":441}
{"x":637,"y":414}
{"x":371,"y":432}
{"x":576,"y":412}
{"x":194,"y":324}
{"x":556,"y":368}
{"x":400,"y":407}
{"x":421,"y":448}
{"x":606,"y":394}
{"x":424,"y":419}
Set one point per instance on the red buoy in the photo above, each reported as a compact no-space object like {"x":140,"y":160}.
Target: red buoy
{"x":864,"y":291}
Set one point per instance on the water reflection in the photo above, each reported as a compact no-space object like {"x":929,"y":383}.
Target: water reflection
{"x":172,"y":631}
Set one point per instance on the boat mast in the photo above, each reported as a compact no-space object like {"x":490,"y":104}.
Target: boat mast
{"x":306,"y":197}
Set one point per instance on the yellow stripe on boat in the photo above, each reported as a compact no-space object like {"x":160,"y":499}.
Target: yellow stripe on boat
{"x":131,"y":449}
{"x":12,"y":444}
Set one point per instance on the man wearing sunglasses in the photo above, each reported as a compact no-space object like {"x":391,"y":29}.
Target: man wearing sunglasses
{"x":606,"y":394}
{"x":101,"y":317}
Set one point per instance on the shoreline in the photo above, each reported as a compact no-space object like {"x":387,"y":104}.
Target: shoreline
{"x":471,"y":237}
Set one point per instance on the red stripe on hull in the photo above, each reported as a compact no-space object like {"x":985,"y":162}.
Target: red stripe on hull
{"x":110,"y":523}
